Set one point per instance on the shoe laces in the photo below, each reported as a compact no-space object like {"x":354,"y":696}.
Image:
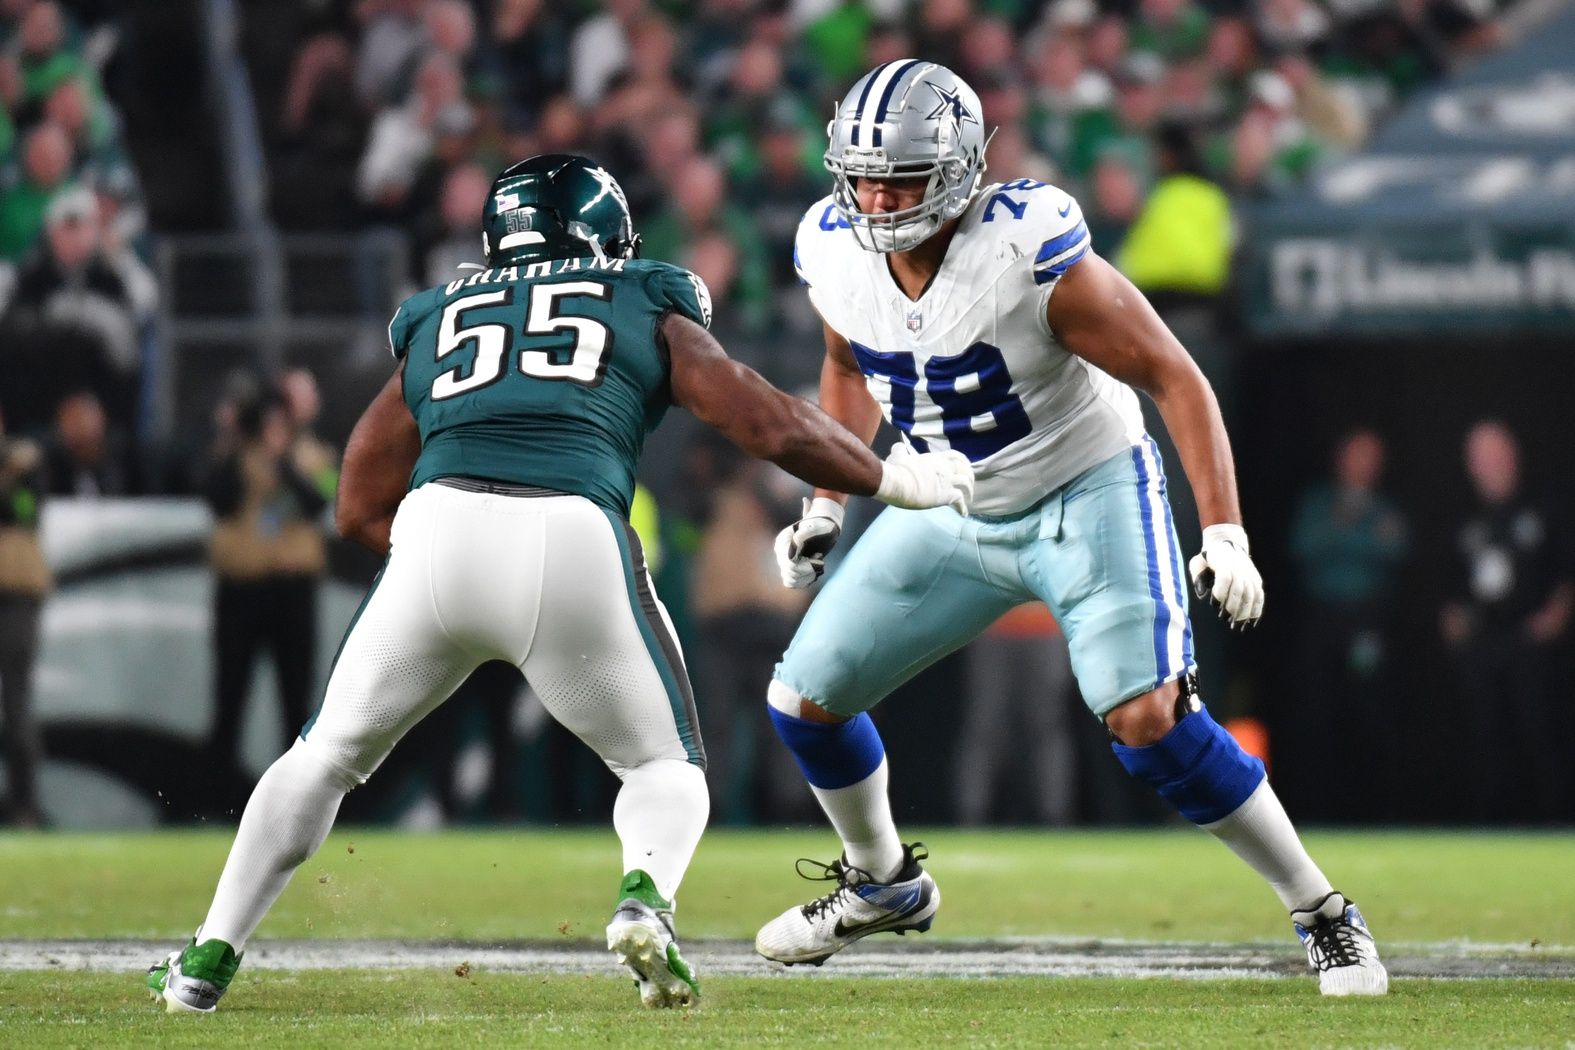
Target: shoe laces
{"x":844,"y":874}
{"x":1335,"y":943}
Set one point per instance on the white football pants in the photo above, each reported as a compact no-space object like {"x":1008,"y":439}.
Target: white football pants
{"x":554,"y":585}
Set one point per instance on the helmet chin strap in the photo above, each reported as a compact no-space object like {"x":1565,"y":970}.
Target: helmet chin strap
{"x":586,"y":234}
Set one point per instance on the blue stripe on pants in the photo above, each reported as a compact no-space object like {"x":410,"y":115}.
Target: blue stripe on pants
{"x":1155,"y":589}
{"x":1177,"y":572}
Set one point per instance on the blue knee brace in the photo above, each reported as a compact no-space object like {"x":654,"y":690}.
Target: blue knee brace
{"x":831,"y":756}
{"x":1197,"y":766}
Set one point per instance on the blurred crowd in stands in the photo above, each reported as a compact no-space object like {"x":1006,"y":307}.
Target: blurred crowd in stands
{"x":395,"y":114}
{"x":712,"y":112}
{"x":77,"y":298}
{"x":375,"y":115}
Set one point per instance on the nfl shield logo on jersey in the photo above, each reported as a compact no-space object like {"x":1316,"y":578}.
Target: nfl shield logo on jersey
{"x":915,"y":321}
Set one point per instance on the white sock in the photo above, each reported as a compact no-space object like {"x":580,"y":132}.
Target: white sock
{"x":861,"y":813}
{"x":286,"y":820}
{"x":659,"y":815}
{"x":1261,"y":834}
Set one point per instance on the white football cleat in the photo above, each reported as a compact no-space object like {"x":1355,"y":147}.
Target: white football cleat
{"x":1340,"y":948}
{"x":858,"y":907}
{"x":641,"y":935}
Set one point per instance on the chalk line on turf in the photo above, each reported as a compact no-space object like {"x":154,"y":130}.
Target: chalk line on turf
{"x":886,"y":957}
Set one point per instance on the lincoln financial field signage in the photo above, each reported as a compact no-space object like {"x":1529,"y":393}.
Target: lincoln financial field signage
{"x":1311,"y":284}
{"x":1421,"y":244}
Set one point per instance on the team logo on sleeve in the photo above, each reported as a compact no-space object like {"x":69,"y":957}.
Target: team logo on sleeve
{"x":703,"y":297}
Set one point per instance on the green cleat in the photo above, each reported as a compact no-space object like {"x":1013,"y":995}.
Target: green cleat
{"x":641,"y":935}
{"x":192,"y":980}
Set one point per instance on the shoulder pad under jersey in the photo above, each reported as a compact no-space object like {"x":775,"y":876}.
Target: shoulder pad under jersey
{"x":680,"y":290}
{"x":406,"y":317}
{"x":1042,"y":221}
{"x":823,"y":238}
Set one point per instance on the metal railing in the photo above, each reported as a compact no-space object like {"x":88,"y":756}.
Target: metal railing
{"x":251,"y":298}
{"x":260,"y":301}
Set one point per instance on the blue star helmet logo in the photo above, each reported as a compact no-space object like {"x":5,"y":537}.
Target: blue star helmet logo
{"x":951,"y":100}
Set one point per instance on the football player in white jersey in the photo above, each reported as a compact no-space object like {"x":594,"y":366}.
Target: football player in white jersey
{"x":979,"y":318}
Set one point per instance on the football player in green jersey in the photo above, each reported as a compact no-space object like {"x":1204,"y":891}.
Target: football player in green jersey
{"x":495,"y":470}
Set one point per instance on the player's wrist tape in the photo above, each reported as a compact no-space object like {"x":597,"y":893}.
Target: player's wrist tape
{"x":825,"y":507}
{"x":1227,"y":532}
{"x":899,"y":484}
{"x":888,"y":480}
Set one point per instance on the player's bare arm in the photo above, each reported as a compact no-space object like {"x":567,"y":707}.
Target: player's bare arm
{"x":1097,"y":314}
{"x":379,"y":457}
{"x":760,"y":419}
{"x":794,"y":434}
{"x":803,"y":546}
{"x":845,"y":398}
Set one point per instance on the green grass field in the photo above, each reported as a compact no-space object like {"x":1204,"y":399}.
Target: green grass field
{"x":360,"y":1009}
{"x":1503,"y":895}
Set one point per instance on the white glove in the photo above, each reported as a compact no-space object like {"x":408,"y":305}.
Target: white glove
{"x":801,"y":548}
{"x":918,"y":481}
{"x":1224,"y":574}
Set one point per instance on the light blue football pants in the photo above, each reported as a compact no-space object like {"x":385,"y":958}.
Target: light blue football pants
{"x":1100,"y":551}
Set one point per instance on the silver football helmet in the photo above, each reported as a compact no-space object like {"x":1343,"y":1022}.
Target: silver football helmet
{"x":909,"y":118}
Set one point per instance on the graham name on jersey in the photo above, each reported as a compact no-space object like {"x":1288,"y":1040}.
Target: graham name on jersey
{"x":545,"y":268}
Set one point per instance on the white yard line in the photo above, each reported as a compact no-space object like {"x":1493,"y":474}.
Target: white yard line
{"x":887,"y":957}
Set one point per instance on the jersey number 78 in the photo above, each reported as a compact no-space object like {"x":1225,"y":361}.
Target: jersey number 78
{"x":979,"y":413}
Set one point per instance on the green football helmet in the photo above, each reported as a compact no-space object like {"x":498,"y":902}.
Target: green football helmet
{"x":556,"y":206}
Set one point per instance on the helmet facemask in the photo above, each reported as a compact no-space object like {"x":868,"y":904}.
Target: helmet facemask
{"x":950,"y":186}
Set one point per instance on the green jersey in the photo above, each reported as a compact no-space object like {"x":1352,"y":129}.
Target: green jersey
{"x":548,"y":373}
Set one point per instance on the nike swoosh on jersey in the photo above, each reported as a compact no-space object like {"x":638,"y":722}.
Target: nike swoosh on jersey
{"x":1064,"y":212}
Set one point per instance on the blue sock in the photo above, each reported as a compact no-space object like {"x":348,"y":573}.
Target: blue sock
{"x":1197,"y":766}
{"x":831,"y":756}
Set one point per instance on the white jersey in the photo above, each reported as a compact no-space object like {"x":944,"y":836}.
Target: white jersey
{"x":972,"y":364}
